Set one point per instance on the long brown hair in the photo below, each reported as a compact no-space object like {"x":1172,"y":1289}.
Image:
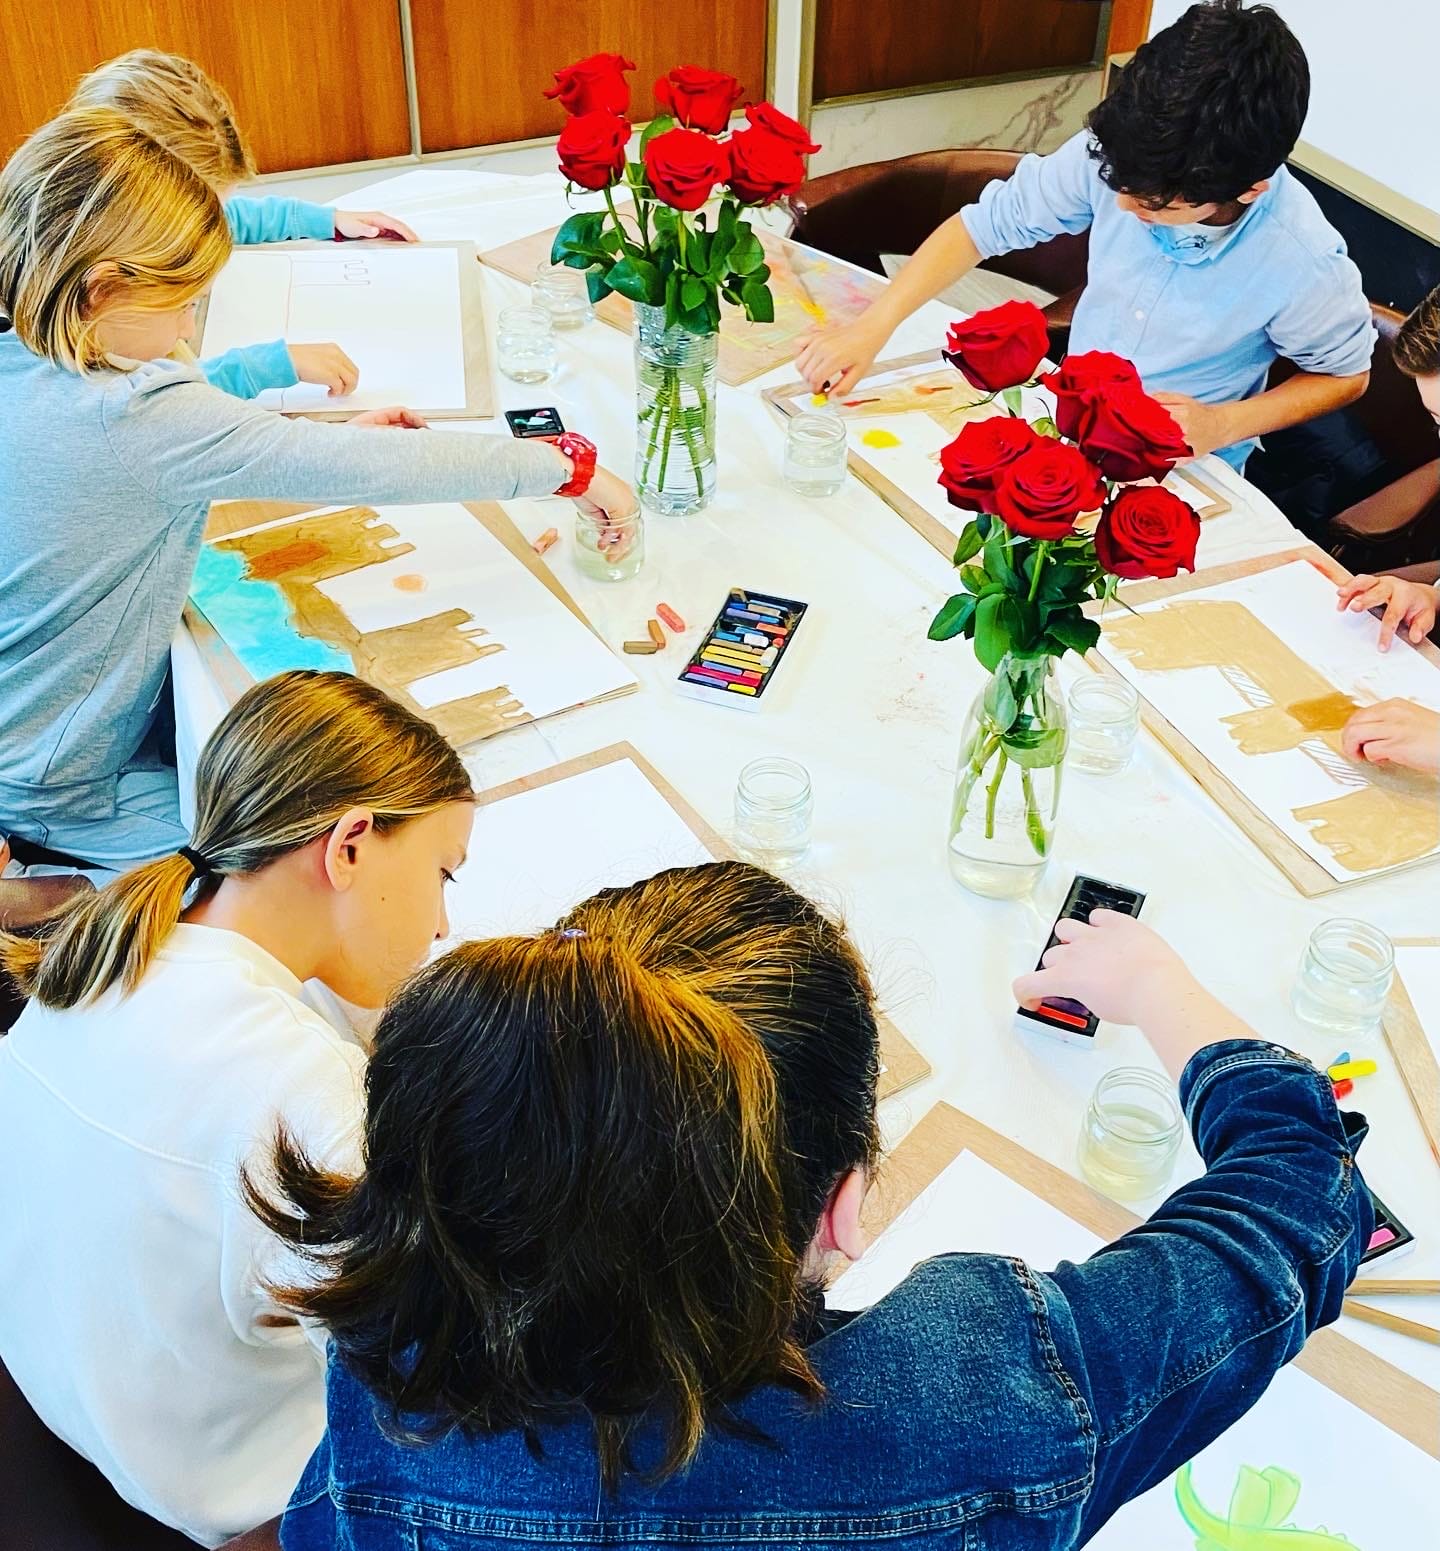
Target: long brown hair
{"x":289,"y":758}
{"x":595,"y":1160}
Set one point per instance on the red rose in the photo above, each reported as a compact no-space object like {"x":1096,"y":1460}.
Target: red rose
{"x":699,"y":99}
{"x":766,"y":116}
{"x":999,"y":347}
{"x":683,"y":166}
{"x":1147,"y":531}
{"x":973,"y":464}
{"x":1042,"y":493}
{"x":1129,"y":435}
{"x":763,"y":167}
{"x":592,"y":149}
{"x":594,"y":85}
{"x":1079,"y":377}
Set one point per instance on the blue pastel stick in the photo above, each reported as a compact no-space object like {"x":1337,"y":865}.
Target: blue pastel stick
{"x":732,"y":612}
{"x":727,"y":635}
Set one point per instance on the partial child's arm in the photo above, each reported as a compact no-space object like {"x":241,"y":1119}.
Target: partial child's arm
{"x":277,"y":220}
{"x":248,"y":370}
{"x":1305,"y":396}
{"x":1043,"y":197}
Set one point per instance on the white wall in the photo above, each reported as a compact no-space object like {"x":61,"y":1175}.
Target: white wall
{"x":1373,"y":70}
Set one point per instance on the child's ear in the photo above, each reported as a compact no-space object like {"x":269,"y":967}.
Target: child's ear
{"x":840,"y":1225}
{"x":1254,"y":191}
{"x":102,"y":280}
{"x":345,"y":846}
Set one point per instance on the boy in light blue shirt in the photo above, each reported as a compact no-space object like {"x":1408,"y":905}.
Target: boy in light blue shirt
{"x":174,"y":102}
{"x":1208,"y":260}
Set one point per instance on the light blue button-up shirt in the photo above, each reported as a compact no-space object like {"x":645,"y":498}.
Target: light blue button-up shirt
{"x":1200,"y":310}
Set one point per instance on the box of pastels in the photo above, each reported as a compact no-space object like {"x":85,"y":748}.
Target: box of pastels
{"x":737,"y":658}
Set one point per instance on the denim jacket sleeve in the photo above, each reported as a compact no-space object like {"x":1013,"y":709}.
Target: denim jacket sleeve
{"x":1173,"y":1332}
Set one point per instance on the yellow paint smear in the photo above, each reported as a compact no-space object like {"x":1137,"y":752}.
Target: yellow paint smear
{"x":880,"y":439}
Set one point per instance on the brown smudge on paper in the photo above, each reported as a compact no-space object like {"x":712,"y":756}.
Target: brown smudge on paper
{"x":1384,"y":818}
{"x":942,"y":396}
{"x":295,"y":556}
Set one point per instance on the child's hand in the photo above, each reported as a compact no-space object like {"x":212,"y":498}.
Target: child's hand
{"x":326,"y":364}
{"x":1122,"y":971}
{"x":394,"y":415}
{"x":1395,"y":732}
{"x":834,"y":360}
{"x":1205,"y":427}
{"x":608,"y":496}
{"x":372,"y":223}
{"x":1411,"y":604}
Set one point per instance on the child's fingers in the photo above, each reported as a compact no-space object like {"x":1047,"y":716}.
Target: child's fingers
{"x":1352,"y":589}
{"x":1390,"y":621}
{"x":388,"y":223}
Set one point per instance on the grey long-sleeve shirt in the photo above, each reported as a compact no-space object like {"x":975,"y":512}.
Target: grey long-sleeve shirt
{"x":105,"y":482}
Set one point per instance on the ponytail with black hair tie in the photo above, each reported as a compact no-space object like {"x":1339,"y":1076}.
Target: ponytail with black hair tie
{"x":200,"y":865}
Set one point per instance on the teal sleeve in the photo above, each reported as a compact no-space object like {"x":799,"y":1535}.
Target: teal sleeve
{"x":251,"y":369}
{"x":277,"y":220}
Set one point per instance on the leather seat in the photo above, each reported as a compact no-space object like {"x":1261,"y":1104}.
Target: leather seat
{"x":892,"y":207}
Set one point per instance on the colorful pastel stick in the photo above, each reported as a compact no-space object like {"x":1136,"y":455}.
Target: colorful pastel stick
{"x":1349,"y":1069}
{"x":671,"y":618}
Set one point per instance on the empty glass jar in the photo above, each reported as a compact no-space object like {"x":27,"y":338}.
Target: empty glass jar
{"x":816,"y":448}
{"x":561,"y":292}
{"x":1344,"y":978}
{"x":773,"y":810}
{"x":525,"y":344}
{"x":1104,"y":719}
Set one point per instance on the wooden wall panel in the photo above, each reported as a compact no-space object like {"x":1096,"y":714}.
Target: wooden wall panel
{"x":483,"y":66}
{"x":1129,"y":25}
{"x":885,"y":45}
{"x":312,"y":84}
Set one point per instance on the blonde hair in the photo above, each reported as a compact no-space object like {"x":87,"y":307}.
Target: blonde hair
{"x":1417,"y":345}
{"x":290,"y":757}
{"x":96,"y":216}
{"x":175,"y":102}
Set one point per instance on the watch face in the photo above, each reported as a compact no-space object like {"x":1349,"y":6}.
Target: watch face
{"x":535,"y":422}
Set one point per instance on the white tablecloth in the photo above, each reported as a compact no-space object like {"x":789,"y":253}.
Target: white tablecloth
{"x":873,"y":709}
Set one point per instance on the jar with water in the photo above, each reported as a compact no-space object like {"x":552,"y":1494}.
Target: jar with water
{"x":1131,"y":1134}
{"x":525,"y":347}
{"x":1344,"y":978}
{"x":816,"y":451}
{"x":562,"y":293}
{"x":773,"y":809}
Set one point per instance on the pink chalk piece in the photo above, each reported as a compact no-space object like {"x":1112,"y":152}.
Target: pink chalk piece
{"x":1381,"y":1237}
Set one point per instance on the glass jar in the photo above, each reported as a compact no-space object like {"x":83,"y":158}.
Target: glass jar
{"x":674,"y":414}
{"x":1131,"y":1133}
{"x":562,"y":293}
{"x":1344,"y":978}
{"x":773,"y":810}
{"x":525,"y":347}
{"x":609,"y":549}
{"x":1104,"y":719}
{"x":816,"y":450}
{"x":1007,"y":784}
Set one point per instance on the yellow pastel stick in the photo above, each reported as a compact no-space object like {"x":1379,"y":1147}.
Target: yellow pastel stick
{"x":1348,"y":1069}
{"x":819,"y":400}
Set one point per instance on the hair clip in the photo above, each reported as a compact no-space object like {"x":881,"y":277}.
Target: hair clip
{"x":572,"y":932}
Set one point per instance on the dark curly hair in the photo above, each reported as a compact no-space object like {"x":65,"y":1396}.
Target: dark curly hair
{"x":1209,"y":107}
{"x":594,"y":1160}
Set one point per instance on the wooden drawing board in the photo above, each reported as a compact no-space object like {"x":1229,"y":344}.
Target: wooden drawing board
{"x":1308,"y":876}
{"x":1393,"y":1398}
{"x":462,"y":726}
{"x":366,"y":333}
{"x":902,"y":1063}
{"x":1414,"y":1055}
{"x":925,"y":384}
{"x":810,"y":289}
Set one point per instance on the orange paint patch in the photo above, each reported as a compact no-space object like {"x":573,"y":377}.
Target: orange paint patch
{"x":410,"y":582}
{"x":284,"y":558}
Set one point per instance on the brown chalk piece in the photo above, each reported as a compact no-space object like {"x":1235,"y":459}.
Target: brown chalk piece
{"x":641,"y":648}
{"x":546,"y":539}
{"x":657,"y":635}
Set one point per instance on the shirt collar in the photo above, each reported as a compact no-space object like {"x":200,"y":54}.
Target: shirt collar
{"x":197,"y":944}
{"x":1195,"y":243}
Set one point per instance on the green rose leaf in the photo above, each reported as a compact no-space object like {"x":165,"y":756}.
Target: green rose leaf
{"x":1046,"y":426}
{"x":577,"y":244}
{"x":597,"y":286}
{"x":1036,"y":748}
{"x":954,"y":615}
{"x":1013,"y":398}
{"x":638,"y":279}
{"x":692,"y":292}
{"x":1073,"y":631}
{"x":747,"y":255}
{"x":758,"y":303}
{"x":657,"y":126}
{"x":973,"y":579}
{"x":970,"y":543}
{"x":997,"y":627}
{"x":1000,"y":704}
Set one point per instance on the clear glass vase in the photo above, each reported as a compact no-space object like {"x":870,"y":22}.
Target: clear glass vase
{"x":674,"y":414}
{"x":1007,"y":783}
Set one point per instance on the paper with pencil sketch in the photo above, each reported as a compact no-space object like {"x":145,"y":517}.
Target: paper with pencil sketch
{"x":1304,"y":1470}
{"x":1260,"y":674}
{"x":396,"y":312}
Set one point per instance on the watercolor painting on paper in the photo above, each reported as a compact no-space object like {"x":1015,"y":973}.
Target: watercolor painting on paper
{"x":423,"y":601}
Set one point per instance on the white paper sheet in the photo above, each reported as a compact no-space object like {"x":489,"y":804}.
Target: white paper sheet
{"x":1419,"y":968}
{"x":536,"y":854}
{"x":1357,"y":1478}
{"x":1297,"y":604}
{"x":395,"y":311}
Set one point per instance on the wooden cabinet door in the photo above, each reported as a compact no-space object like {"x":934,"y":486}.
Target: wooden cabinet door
{"x":481,"y":67}
{"x":884,"y":45}
{"x":312,"y":84}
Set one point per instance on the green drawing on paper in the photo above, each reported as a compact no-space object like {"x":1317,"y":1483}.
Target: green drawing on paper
{"x":1260,"y":1505}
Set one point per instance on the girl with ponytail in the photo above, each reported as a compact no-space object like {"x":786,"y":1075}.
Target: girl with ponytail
{"x":166,"y":1036}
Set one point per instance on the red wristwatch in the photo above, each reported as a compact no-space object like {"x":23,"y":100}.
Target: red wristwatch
{"x":581,"y":452}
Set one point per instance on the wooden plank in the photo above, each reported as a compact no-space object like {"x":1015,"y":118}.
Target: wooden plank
{"x":1129,"y":25}
{"x":863,"y":48}
{"x":1308,"y":876}
{"x":481,"y":69}
{"x":312,"y":85}
{"x":479,"y":389}
{"x":1394,"y":1398}
{"x":1413,"y":1053}
{"x":902,"y":1063}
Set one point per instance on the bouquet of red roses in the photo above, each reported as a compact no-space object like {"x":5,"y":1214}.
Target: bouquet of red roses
{"x":673,"y":254}
{"x":1027,"y":565}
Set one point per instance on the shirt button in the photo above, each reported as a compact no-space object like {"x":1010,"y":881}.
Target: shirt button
{"x":1139,"y":316}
